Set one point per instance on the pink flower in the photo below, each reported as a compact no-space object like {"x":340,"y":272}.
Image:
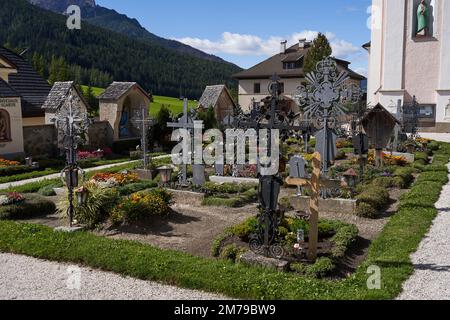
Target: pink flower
{"x":297,"y":246}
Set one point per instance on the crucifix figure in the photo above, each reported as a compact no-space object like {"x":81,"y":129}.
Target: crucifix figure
{"x":316,"y":182}
{"x":143,"y":122}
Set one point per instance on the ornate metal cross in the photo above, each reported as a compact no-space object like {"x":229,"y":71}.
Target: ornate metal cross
{"x":410,"y":118}
{"x":324,"y":98}
{"x":271,"y":118}
{"x":317,"y":182}
{"x":71,"y":123}
{"x":143,"y":123}
{"x":185,"y":122}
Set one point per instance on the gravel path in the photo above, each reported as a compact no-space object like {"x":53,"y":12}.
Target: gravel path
{"x":24,"y":278}
{"x":431,"y":279}
{"x":444,"y":137}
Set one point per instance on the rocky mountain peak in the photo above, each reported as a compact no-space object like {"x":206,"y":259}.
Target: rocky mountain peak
{"x":62,"y":5}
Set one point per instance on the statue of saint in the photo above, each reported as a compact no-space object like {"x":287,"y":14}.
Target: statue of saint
{"x":422,"y":18}
{"x":124,"y":131}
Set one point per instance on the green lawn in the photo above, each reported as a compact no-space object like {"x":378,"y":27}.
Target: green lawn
{"x":174,"y":104}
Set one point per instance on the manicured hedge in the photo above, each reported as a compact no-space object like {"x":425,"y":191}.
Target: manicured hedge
{"x":33,"y":206}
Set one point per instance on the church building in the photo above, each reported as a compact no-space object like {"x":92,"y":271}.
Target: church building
{"x":410,"y":57}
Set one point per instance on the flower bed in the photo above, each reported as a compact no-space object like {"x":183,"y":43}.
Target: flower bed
{"x":11,"y":198}
{"x":110,"y":180}
{"x":141,"y":206}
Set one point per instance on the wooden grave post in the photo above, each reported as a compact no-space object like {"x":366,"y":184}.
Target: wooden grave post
{"x":316,"y":183}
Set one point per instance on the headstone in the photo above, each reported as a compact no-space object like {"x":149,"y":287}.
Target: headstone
{"x":297,"y":167}
{"x":330,"y":149}
{"x":220,"y":169}
{"x":361,"y":144}
{"x":269,"y":190}
{"x":228,"y":120}
{"x":198,"y":175}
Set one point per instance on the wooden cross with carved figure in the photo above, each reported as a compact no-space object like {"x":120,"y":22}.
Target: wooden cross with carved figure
{"x":316,"y":183}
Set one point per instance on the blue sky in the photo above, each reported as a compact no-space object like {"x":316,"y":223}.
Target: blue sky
{"x":247,"y":31}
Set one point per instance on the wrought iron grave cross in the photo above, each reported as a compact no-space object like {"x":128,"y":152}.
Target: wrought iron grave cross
{"x":143,"y":123}
{"x":324,"y":98}
{"x":187,"y":121}
{"x":71,"y":123}
{"x":269,"y":185}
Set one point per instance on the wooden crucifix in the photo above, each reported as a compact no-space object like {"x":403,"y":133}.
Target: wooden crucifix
{"x":316,"y":183}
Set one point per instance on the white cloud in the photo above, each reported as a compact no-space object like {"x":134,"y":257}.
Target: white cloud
{"x":251,"y":45}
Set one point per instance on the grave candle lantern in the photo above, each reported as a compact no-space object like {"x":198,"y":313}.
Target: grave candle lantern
{"x":350,"y":177}
{"x":166,"y":174}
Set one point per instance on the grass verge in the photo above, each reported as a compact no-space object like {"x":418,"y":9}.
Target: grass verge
{"x":390,"y":251}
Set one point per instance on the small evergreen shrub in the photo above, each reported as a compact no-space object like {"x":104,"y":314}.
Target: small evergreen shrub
{"x":321,"y":268}
{"x":47,"y":191}
{"x":377,"y":197}
{"x":365,"y":210}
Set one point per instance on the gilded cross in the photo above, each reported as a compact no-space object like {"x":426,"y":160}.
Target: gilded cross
{"x":316,"y":182}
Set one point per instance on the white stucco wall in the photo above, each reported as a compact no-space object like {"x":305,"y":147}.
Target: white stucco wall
{"x":402,"y":66}
{"x":394,"y":35}
{"x":375,"y":57}
{"x":246,"y":88}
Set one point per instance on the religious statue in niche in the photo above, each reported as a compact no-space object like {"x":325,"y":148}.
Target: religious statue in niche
{"x":124,"y":125}
{"x":5,"y":129}
{"x":422,"y":19}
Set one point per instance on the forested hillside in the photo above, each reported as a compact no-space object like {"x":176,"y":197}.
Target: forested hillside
{"x":95,"y":56}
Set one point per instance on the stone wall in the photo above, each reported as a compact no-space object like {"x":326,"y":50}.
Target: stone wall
{"x":100,"y":135}
{"x":40,"y":140}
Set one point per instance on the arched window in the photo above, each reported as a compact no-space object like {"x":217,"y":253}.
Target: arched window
{"x":5,"y":126}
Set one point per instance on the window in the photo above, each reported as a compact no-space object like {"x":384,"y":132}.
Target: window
{"x":257,"y":88}
{"x":291,"y":65}
{"x":427,"y":111}
{"x":5,"y":128}
{"x":281,"y":87}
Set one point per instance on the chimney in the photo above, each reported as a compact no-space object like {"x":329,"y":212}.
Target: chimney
{"x":301,"y":43}
{"x":283,"y":47}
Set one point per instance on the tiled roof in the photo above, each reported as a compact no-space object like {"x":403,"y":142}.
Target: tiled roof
{"x":117,"y":89}
{"x":274,"y":65}
{"x":58,"y":95}
{"x":211,"y":95}
{"x":6,"y":91}
{"x":33,"y":89}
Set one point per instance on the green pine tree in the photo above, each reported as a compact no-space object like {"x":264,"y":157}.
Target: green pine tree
{"x":319,"y":50}
{"x":209,"y":118}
